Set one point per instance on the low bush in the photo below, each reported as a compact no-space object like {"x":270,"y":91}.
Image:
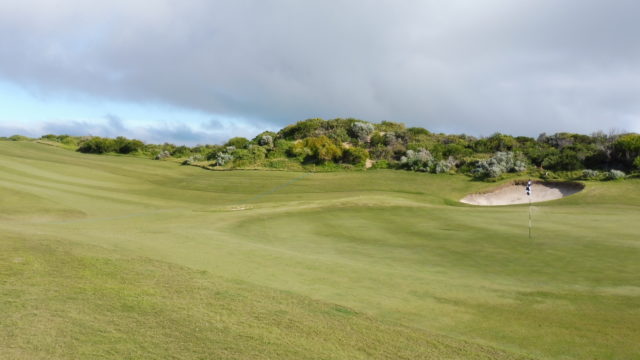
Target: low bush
{"x":362,"y":131}
{"x":615,"y":175}
{"x":163,"y":155}
{"x":19,"y":138}
{"x":590,"y":174}
{"x":193,"y":159}
{"x":381,"y":164}
{"x":420,"y":160}
{"x":355,"y":156}
{"x":500,"y":163}
{"x":223,"y":158}
{"x":237,"y":142}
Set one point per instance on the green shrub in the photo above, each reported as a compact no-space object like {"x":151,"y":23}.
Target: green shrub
{"x":355,"y":156}
{"x":302,"y":129}
{"x":181,"y":151}
{"x":381,"y":164}
{"x":18,"y":138}
{"x":123,"y":145}
{"x":163,"y":155}
{"x":98,"y":145}
{"x":49,"y":137}
{"x":321,"y":149}
{"x":298,"y":151}
{"x":626,"y":149}
{"x":566,"y":160}
{"x":388,"y":126}
{"x":68,"y":140}
{"x":280,"y":149}
{"x":281,"y":163}
{"x":237,"y":142}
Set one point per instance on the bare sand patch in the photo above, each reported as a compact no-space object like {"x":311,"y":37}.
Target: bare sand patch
{"x":515,"y":193}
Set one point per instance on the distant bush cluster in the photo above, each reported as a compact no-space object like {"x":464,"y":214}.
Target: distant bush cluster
{"x":353,"y":143}
{"x":120,"y":145}
{"x":500,"y":163}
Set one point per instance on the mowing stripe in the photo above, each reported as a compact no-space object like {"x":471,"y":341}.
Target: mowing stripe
{"x":275,"y":189}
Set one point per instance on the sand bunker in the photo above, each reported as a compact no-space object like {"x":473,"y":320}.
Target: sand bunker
{"x":515,"y":193}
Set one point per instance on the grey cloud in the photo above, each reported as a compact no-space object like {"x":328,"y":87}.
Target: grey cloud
{"x":212,"y":132}
{"x":520,"y":67}
{"x":85,"y":127}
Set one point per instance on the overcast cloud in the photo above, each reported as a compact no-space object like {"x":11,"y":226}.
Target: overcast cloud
{"x":463,"y":66}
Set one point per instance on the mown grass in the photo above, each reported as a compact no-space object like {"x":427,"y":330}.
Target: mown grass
{"x":394,"y":248}
{"x":63,"y":300}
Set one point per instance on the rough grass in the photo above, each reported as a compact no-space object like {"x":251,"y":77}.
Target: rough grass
{"x":395,"y":250}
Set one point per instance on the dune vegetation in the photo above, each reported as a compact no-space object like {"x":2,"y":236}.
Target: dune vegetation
{"x":120,"y":257}
{"x":343,"y":144}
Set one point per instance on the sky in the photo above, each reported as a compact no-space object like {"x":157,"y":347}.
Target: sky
{"x":202,"y":71}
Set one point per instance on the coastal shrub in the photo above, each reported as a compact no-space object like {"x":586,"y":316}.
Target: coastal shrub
{"x":223,"y":158}
{"x":163,"y":155}
{"x":627,"y":148}
{"x":445,"y":166}
{"x":362,"y":131}
{"x":193,"y":159}
{"x":500,"y":163}
{"x":266,"y":140}
{"x":301,"y":129}
{"x":321,"y":149}
{"x":388,"y":126}
{"x":588,"y":174}
{"x":567,"y":160}
{"x":355,"y":155}
{"x":280,"y":149}
{"x":181,"y":151}
{"x":420,"y":160}
{"x":391,"y":139}
{"x":615,"y":175}
{"x":381,"y":164}
{"x":18,"y":138}
{"x":237,"y":142}
{"x":253,"y":153}
{"x":123,"y":145}
{"x":97,"y":145}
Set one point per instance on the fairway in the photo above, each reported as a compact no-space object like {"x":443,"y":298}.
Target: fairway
{"x":117,"y":257}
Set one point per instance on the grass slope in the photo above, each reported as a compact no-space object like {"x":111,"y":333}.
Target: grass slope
{"x":62,"y":301}
{"x":393,"y":245}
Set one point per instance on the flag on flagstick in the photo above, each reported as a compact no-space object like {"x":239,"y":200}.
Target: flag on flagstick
{"x":528,"y":189}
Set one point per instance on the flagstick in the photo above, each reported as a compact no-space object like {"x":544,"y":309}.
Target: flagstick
{"x":528,"y":189}
{"x":529,"y":217}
